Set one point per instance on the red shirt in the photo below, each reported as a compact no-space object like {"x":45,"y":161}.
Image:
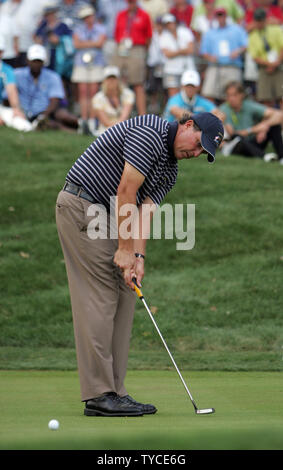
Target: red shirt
{"x":138,"y":27}
{"x":183,"y":16}
{"x":271,"y":11}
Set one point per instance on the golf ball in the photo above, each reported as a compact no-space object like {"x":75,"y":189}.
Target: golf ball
{"x":53,"y":424}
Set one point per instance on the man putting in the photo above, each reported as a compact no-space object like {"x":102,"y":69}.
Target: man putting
{"x":135,"y":161}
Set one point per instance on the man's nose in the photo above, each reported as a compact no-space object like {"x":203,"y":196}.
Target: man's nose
{"x":197,"y":153}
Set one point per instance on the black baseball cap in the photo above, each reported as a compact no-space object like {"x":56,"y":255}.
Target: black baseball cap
{"x":259,"y":14}
{"x":212,"y":132}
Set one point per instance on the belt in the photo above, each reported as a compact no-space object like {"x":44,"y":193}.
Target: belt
{"x":78,"y":191}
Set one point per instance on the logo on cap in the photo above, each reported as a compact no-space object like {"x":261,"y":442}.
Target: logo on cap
{"x":218,"y":139}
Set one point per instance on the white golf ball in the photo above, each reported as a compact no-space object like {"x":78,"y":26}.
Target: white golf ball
{"x":53,"y":424}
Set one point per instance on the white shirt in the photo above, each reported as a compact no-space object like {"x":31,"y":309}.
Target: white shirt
{"x":19,"y":20}
{"x":176,"y":65}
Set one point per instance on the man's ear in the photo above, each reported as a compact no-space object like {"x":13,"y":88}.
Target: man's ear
{"x":189,"y":123}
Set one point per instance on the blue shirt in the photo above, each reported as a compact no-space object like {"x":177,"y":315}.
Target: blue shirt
{"x":220,"y":42}
{"x":6,"y":77}
{"x":86,"y":34}
{"x":198,"y":104}
{"x":35,"y":95}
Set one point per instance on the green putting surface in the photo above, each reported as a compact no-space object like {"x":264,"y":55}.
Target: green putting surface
{"x":248,"y":405}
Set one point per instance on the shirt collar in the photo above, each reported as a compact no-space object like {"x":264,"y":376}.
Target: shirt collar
{"x":172,"y":131}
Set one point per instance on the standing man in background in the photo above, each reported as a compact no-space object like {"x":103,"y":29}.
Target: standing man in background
{"x":133,"y":32}
{"x":222,"y":48}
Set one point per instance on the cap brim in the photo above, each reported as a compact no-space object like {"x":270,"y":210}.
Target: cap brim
{"x":209,"y":147}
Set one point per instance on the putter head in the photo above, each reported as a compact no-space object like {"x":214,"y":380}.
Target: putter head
{"x":205,"y":411}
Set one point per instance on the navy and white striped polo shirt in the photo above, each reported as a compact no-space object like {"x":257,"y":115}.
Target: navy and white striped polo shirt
{"x":146,"y":143}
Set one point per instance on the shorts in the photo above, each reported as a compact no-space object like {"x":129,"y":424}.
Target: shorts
{"x":133,"y":66}
{"x":269,"y":85}
{"x":217,"y":77}
{"x":171,"y":80}
{"x":87,"y":74}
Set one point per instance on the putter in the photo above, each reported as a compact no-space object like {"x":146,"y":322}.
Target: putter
{"x":204,"y":411}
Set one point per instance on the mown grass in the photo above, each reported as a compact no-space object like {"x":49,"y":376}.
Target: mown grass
{"x":248,"y":412}
{"x":218,"y":305}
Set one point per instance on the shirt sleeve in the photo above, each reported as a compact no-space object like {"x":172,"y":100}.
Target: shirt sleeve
{"x":56,"y":88}
{"x":257,"y":110}
{"x":142,"y":146}
{"x":206,"y":44}
{"x":98,"y":101}
{"x":128,"y":96}
{"x":8,"y":75}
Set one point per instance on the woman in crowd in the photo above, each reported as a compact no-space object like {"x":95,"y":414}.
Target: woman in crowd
{"x":114,"y":102}
{"x":88,"y":39}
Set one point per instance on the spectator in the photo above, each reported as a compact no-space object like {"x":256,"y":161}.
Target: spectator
{"x":107,"y":11}
{"x":204,"y":19}
{"x":114,"y":103}
{"x":177,"y":45}
{"x":133,"y":33}
{"x":266,"y":48}
{"x":11,"y":116}
{"x":49,"y":33}
{"x":41,"y":93}
{"x":183,"y":12}
{"x":155,"y":63}
{"x":31,"y":10}
{"x":155,"y":8}
{"x":89,"y":62}
{"x":232,"y":7}
{"x":68,"y":11}
{"x":9,"y":31}
{"x":222,"y":48}
{"x":251,"y":126}
{"x":188,"y":99}
{"x":274,"y":13}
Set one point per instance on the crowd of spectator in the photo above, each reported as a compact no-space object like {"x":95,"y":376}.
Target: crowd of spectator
{"x":85,"y":65}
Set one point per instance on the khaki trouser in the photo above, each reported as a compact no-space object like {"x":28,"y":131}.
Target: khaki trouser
{"x":102,"y":305}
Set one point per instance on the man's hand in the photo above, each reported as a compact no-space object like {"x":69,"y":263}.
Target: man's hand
{"x":126,"y":261}
{"x":139,"y":270}
{"x":18,"y":113}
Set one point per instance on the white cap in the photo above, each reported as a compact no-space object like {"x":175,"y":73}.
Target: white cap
{"x":2,"y":43}
{"x":168,"y":18}
{"x":190,"y":77}
{"x":86,"y":11}
{"x":111,"y":71}
{"x":37,"y":52}
{"x":50,"y":6}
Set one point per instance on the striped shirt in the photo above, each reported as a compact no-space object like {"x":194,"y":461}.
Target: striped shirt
{"x":146,"y":142}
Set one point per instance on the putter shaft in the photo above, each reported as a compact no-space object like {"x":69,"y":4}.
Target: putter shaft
{"x":141,"y":297}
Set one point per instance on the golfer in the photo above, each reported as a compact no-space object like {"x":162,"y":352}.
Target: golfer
{"x":136,"y":163}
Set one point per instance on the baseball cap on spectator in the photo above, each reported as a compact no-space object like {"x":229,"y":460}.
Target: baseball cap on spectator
{"x":111,"y":71}
{"x":2,"y":43}
{"x":212,"y":132}
{"x":168,"y":18}
{"x":259,"y":14}
{"x":190,"y":77}
{"x":50,"y":7}
{"x":220,"y":10}
{"x":86,"y":11}
{"x":37,"y":52}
